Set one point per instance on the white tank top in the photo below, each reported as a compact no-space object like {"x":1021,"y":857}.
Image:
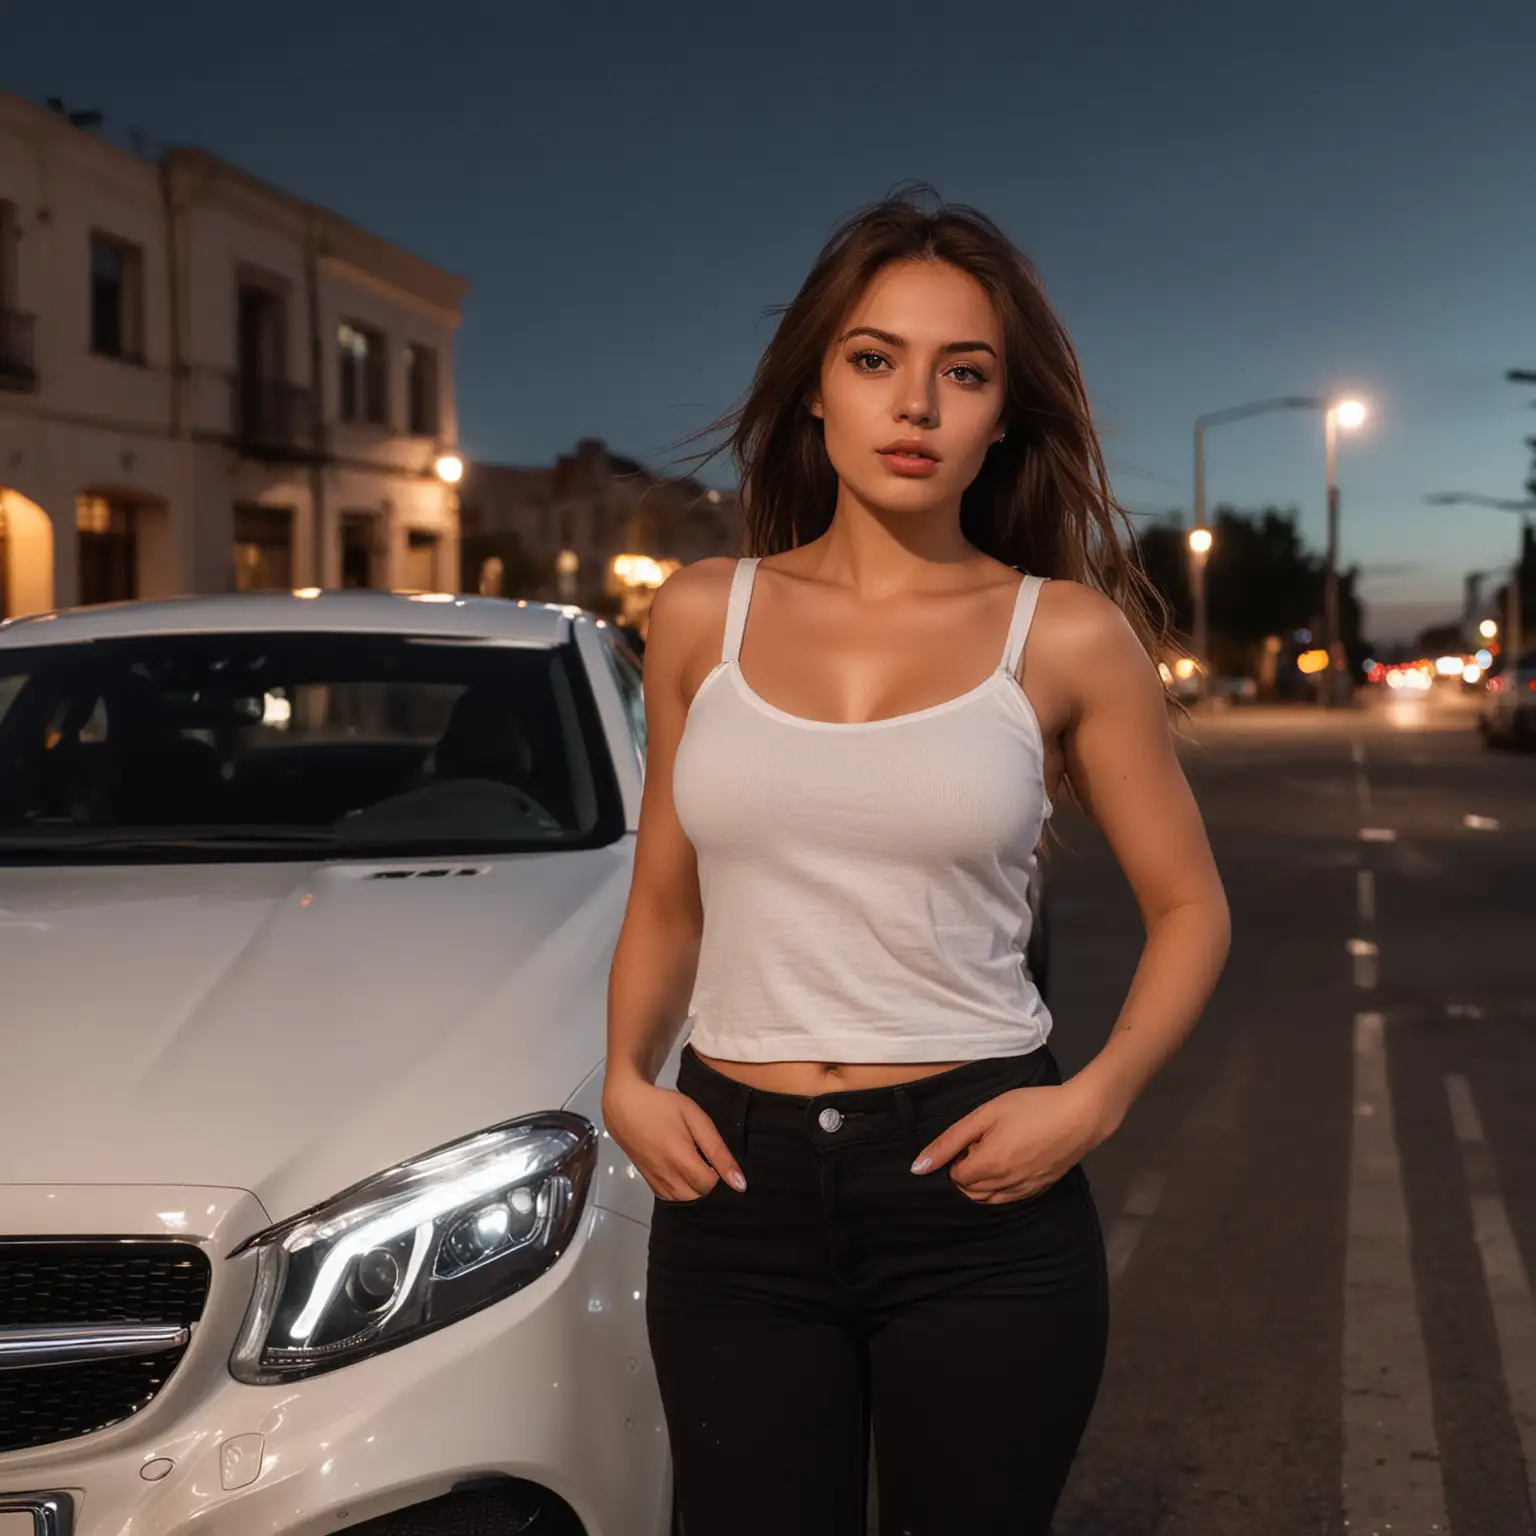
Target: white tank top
{"x":865,"y":885}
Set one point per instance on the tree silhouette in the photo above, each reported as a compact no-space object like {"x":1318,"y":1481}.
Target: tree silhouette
{"x":1260,"y":580}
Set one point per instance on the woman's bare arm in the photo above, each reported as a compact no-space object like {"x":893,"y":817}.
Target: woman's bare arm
{"x":1123,"y":766}
{"x":1101,"y":698}
{"x":656,"y":959}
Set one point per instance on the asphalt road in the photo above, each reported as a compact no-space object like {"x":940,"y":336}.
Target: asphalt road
{"x":1321,"y":1216}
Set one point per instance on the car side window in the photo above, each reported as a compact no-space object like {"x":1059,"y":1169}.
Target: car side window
{"x":631,"y":689}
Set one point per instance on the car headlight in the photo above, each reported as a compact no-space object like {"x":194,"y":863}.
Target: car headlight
{"x":414,"y":1248}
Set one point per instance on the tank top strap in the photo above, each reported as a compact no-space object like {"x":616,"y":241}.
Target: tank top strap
{"x":1023,"y":616}
{"x":736,"y":608}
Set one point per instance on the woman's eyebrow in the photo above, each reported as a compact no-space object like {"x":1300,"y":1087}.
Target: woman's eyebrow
{"x":892,"y":340}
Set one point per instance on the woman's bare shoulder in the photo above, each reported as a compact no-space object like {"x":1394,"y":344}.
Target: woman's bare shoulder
{"x":694,"y":594}
{"x":687,"y":620}
{"x":1081,"y":634}
{"x":1076,"y":615}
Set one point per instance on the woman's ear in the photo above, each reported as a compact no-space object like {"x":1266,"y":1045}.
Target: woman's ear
{"x":813,"y":405}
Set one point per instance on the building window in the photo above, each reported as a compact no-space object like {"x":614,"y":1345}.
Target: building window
{"x":109,"y":559}
{"x":263,"y":548}
{"x":421,"y":390}
{"x":421,"y":560}
{"x":117,"y":299}
{"x":357,"y":549}
{"x":364,"y":373}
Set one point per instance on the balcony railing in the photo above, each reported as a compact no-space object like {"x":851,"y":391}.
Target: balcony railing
{"x":268,"y":416}
{"x":18,"y":366}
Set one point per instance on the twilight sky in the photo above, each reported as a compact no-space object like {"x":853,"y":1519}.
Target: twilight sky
{"x":1228,"y":200}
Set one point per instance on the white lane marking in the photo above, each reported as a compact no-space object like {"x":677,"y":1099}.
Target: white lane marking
{"x":1464,"y":1010}
{"x":1218,"y":1113}
{"x":1365,"y":956}
{"x":1363,"y":793}
{"x":1481,"y":823}
{"x":1392,"y":1477}
{"x":1509,"y":1286}
{"x":1357,"y":751}
{"x":1365,"y":895}
{"x":1140,"y":1206}
{"x":1377,"y":835}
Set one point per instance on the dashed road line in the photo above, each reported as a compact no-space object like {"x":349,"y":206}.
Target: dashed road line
{"x":1509,"y":1286}
{"x":1218,"y":1113}
{"x":1377,"y":835}
{"x":1140,"y":1206}
{"x":1363,"y":793}
{"x":1392,"y":1481}
{"x":1481,"y":823}
{"x":1365,"y":956}
{"x":1365,"y":895}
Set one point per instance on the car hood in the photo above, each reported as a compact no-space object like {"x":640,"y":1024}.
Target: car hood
{"x":291,"y":1028}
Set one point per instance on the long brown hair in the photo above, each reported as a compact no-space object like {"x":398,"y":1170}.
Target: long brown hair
{"x":1041,"y":502}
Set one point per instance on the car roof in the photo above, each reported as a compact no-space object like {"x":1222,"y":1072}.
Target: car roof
{"x":308,"y":611}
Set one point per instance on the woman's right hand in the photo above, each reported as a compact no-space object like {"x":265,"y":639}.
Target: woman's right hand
{"x":669,"y":1138}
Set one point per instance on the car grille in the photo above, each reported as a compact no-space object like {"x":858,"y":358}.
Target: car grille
{"x":60,"y":1283}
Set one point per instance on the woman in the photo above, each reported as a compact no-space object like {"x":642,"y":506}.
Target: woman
{"x":869,"y":1193}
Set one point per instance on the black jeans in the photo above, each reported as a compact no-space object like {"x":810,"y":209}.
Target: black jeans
{"x":842,"y":1288}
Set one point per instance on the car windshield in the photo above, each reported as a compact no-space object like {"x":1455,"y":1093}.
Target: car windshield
{"x":251,"y":745}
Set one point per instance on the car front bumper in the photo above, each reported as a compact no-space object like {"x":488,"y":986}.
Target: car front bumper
{"x":552,"y":1386}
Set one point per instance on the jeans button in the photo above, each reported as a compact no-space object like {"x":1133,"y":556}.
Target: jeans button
{"x":829,"y":1120}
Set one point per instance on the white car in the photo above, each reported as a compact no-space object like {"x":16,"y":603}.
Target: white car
{"x":308,"y":1222}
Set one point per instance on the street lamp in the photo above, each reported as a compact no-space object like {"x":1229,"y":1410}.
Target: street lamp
{"x":1514,"y":635}
{"x":1199,"y":548}
{"x":1348,"y":415}
{"x":1200,"y":535}
{"x":1489,"y":629}
{"x":1345,"y":414}
{"x":449,"y":468}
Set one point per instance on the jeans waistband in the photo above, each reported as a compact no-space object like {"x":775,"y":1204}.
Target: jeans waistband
{"x":859,"y":1114}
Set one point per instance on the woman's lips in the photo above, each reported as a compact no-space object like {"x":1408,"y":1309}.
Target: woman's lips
{"x":909,"y":463}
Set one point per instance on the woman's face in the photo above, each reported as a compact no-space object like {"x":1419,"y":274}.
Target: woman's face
{"x":917,"y":363}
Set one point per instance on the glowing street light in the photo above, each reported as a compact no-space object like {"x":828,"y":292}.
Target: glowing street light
{"x":1200,"y":535}
{"x":1349,"y":416}
{"x":1489,"y":629}
{"x":1342,"y":414}
{"x":1514,"y":628}
{"x":449,"y":468}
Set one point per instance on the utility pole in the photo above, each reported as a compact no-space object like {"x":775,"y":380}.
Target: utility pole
{"x":1516,"y":636}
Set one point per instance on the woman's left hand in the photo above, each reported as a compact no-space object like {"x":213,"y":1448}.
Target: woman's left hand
{"x":1017,"y":1144}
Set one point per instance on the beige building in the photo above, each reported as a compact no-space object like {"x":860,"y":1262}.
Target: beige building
{"x":561,"y":531}
{"x":207,"y":384}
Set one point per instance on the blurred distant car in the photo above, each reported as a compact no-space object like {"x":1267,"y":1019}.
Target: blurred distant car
{"x":1507,"y":717}
{"x":1235,"y":690}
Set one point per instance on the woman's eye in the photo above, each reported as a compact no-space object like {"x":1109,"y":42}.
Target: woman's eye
{"x":976,"y":375}
{"x":859,"y":358}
